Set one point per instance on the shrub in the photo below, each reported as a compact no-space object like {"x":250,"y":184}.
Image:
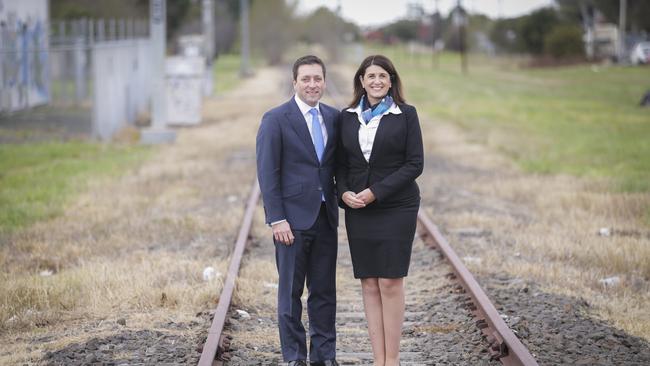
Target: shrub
{"x":564,"y":41}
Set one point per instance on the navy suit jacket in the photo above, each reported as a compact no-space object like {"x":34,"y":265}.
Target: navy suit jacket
{"x":291,"y":179}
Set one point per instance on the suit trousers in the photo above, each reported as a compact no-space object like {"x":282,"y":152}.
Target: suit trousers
{"x":311,"y":257}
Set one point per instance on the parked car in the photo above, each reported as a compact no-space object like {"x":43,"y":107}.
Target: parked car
{"x":640,"y":53}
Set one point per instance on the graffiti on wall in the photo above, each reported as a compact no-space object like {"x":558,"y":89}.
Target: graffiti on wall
{"x":23,"y":54}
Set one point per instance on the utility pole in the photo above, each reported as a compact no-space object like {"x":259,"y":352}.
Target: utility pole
{"x":621,"y":31}
{"x":460,"y":20}
{"x":158,"y":132}
{"x":436,"y":30}
{"x":338,"y":43}
{"x":245,"y":70}
{"x":588,"y":25}
{"x":207,"y":17}
{"x":500,"y":10}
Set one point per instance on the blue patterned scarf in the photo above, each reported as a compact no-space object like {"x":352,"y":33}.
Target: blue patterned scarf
{"x":382,"y":107}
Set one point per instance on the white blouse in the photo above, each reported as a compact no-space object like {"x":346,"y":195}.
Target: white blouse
{"x":368,"y":131}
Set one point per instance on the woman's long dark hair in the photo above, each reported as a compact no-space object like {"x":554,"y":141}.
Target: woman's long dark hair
{"x":382,"y":61}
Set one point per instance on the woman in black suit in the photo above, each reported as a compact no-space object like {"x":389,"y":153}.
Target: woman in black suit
{"x":379,"y":156}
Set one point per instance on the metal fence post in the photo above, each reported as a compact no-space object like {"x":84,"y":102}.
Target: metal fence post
{"x":111,"y":29}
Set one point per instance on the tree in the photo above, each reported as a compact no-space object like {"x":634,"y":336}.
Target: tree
{"x":504,"y":34}
{"x":273,"y":28}
{"x":97,"y":9}
{"x":177,"y":11}
{"x":325,"y":27}
{"x":405,"y":30}
{"x":534,"y":28}
{"x":225,"y":24}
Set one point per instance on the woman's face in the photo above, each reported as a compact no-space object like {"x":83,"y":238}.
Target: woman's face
{"x":376,"y":82}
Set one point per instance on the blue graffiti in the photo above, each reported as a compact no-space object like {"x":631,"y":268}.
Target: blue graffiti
{"x":24,"y":58}
{"x":10,"y":63}
{"x":39,"y":65}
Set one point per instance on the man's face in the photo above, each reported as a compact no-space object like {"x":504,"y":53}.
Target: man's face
{"x":309,"y":84}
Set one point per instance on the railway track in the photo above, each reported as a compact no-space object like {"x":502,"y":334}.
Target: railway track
{"x":444,"y":303}
{"x":439,"y":284}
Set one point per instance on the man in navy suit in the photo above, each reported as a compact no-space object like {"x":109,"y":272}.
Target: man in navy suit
{"x":295,"y":169}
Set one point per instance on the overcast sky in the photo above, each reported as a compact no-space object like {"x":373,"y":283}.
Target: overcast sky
{"x":376,"y":12}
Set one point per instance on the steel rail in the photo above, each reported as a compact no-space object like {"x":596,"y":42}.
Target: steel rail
{"x":504,"y":344}
{"x":211,"y":346}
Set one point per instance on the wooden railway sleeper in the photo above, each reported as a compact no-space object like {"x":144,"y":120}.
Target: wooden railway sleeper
{"x":497,"y":348}
{"x":226,"y":356}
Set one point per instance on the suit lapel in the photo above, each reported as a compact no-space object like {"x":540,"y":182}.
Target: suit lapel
{"x":351,"y":128}
{"x":297,"y":121}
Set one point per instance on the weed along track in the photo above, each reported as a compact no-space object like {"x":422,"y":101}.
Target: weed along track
{"x":214,"y":340}
{"x":440,"y":325}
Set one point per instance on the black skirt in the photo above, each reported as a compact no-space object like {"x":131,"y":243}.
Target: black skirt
{"x":381,"y":240}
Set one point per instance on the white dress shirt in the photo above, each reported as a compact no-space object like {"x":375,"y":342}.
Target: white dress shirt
{"x":368,"y":131}
{"x":305,"y":108}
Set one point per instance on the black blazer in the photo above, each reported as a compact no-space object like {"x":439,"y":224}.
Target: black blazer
{"x":397,"y":158}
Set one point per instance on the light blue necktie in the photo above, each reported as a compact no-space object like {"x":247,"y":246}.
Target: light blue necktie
{"x":317,"y":133}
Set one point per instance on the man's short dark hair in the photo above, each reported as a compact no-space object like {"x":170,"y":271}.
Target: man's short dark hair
{"x":307,"y":60}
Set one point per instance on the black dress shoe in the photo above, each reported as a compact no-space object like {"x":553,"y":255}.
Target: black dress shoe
{"x":325,"y":363}
{"x":298,"y":363}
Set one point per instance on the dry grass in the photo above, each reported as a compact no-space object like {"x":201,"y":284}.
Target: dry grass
{"x":137,"y":245}
{"x":546,"y":228}
{"x":96,"y":289}
{"x":256,"y":287}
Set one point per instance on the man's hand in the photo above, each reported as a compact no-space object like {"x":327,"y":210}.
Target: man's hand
{"x":352,"y":200}
{"x":282,"y":233}
{"x":366,"y":196}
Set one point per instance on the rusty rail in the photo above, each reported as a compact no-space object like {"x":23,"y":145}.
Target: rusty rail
{"x":214,"y":340}
{"x":504,"y":345}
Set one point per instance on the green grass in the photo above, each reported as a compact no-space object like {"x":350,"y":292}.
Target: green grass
{"x":37,"y":179}
{"x":578,"y":120}
{"x":227,"y":68}
{"x":226,"y":72}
